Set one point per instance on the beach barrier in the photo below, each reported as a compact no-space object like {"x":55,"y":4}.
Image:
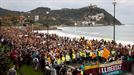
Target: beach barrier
{"x":113,"y":68}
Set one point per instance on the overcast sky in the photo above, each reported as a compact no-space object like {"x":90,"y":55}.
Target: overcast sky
{"x":124,"y":8}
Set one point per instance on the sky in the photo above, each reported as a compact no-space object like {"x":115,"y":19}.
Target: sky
{"x":124,"y":8}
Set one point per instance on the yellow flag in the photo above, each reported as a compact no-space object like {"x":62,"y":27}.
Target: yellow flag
{"x":93,"y":55}
{"x":89,"y":43}
{"x":106,"y":53}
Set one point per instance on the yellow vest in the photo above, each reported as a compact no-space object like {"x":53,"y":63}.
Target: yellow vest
{"x":49,"y":59}
{"x":84,"y":54}
{"x":99,"y":53}
{"x":80,"y":53}
{"x":63,"y":59}
{"x":67,"y":58}
{"x":58,"y":61}
{"x":112,"y":52}
{"x":73,"y":56}
{"x":91,"y":53}
{"x":81,"y":72}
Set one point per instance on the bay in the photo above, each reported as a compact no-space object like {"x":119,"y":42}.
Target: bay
{"x":122,"y":32}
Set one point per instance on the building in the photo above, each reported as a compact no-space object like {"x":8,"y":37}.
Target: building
{"x":36,"y":17}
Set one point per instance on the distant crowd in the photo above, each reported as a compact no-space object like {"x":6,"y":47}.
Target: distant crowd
{"x":58,"y":55}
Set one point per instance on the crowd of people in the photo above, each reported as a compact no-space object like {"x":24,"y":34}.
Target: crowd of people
{"x":53,"y":54}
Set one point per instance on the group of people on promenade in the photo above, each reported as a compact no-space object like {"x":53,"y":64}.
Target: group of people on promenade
{"x":42,"y":50}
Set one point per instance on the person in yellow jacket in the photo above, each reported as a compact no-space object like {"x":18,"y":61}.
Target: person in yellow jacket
{"x":81,"y":59}
{"x":58,"y":61}
{"x":67,"y":57}
{"x":99,"y":53}
{"x":63,"y":59}
{"x":73,"y":58}
{"x":80,"y":52}
{"x":90,"y":55}
{"x":49,"y":59}
{"x":80,"y":72}
{"x":84,"y":55}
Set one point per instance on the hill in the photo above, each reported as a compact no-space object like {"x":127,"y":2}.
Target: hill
{"x":66,"y":16}
{"x":6,"y":12}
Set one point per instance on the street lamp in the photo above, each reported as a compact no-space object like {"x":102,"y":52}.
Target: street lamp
{"x":75,"y":24}
{"x":0,"y":22}
{"x":114,"y":4}
{"x":47,"y":13}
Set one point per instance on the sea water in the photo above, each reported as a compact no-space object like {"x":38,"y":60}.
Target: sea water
{"x":123,"y":33}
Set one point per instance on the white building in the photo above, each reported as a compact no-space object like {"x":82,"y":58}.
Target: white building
{"x":36,"y":17}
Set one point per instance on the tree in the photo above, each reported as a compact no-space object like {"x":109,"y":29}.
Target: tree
{"x":0,"y":23}
{"x":14,"y":20}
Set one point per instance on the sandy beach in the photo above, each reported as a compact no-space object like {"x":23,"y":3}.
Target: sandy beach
{"x":63,"y":34}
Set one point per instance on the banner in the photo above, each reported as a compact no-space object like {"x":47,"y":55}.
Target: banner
{"x":110,"y":70}
{"x":113,"y":68}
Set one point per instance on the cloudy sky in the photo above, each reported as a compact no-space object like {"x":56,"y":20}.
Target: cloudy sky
{"x":124,"y":8}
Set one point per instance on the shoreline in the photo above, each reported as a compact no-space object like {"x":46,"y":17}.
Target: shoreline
{"x":62,"y":34}
{"x":87,"y":25}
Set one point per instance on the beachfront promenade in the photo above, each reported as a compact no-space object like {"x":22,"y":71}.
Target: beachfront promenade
{"x":57,"y":52}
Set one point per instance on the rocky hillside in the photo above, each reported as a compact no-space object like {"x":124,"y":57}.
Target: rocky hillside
{"x":65,"y":16}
